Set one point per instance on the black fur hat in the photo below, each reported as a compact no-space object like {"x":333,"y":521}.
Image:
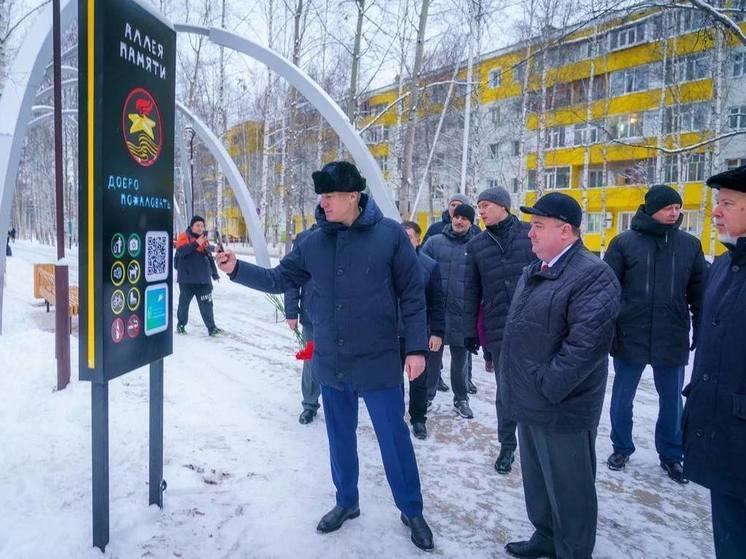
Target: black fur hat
{"x":338,"y":176}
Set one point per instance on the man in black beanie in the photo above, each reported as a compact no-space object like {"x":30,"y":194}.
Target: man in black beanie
{"x":448,"y":249}
{"x":195,"y":269}
{"x":360,"y":268}
{"x":662,"y":272}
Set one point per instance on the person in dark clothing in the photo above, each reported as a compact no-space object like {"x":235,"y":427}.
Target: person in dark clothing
{"x":12,"y":235}
{"x":195,"y":271}
{"x":436,"y":328}
{"x":449,"y":250}
{"x":715,"y":412}
{"x":8,"y":252}
{"x":494,"y":263}
{"x":553,"y":366}
{"x":437,"y":227}
{"x":363,"y":272}
{"x":297,"y":303}
{"x":662,"y":272}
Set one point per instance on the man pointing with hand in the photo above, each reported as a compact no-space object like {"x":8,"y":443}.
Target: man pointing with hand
{"x":358,"y":265}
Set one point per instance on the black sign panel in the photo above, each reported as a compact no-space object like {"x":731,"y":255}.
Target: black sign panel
{"x":126,"y":97}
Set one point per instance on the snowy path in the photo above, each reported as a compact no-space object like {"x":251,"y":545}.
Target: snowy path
{"x":246,"y":480}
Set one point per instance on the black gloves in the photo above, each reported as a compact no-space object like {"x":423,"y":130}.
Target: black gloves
{"x":472,"y":344}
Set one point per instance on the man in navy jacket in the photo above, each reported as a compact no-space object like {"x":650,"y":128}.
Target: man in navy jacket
{"x":359,"y":265}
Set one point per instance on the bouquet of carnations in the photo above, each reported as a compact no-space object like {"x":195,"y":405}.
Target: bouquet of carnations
{"x":306,"y":347}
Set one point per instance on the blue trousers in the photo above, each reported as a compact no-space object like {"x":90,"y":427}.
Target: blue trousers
{"x":386,"y":409}
{"x":669,"y":382}
{"x":728,"y":525}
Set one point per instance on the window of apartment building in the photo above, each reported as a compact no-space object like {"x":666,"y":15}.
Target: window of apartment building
{"x":580,"y":89}
{"x":586,"y":134}
{"x":692,"y":222}
{"x":738,"y":68}
{"x":691,"y":117}
{"x":733,"y":163}
{"x":688,"y":68}
{"x":561,"y":95}
{"x":557,"y":177}
{"x":494,"y":150}
{"x":595,"y":222}
{"x":624,"y":221}
{"x":495,"y":77}
{"x":518,"y":72}
{"x":515,"y":183}
{"x":671,"y":169}
{"x":737,"y":117}
{"x":383,"y":163}
{"x":493,"y":183}
{"x":627,"y":36}
{"x":596,"y":177}
{"x":630,"y":80}
{"x":516,"y":148}
{"x":377,"y":134}
{"x":695,"y":167}
{"x":691,"y":20}
{"x":532,"y":179}
{"x":626,"y":126}
{"x":494,"y":112}
{"x":555,"y":137}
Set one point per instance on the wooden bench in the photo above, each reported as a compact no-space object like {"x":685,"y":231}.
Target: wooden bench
{"x":44,"y":288}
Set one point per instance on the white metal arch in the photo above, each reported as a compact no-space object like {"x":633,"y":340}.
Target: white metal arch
{"x":27,"y":74}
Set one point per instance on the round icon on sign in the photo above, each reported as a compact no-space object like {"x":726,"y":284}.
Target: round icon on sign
{"x":117,"y":245}
{"x":117,"y":301}
{"x":133,"y":326}
{"x":133,"y":299}
{"x":133,"y":271}
{"x":142,"y":127}
{"x":134,"y":245}
{"x":117,"y":274}
{"x":117,"y":330}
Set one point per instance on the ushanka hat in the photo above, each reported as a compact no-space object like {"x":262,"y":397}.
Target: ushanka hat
{"x":338,"y":176}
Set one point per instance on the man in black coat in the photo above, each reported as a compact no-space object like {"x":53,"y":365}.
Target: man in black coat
{"x":553,"y":367}
{"x":195,"y":269}
{"x":437,"y":227}
{"x":435,"y":327}
{"x":715,"y":412}
{"x":662,"y":272}
{"x":494,"y":263}
{"x":449,"y":250}
{"x":297,"y":304}
{"x":363,"y":272}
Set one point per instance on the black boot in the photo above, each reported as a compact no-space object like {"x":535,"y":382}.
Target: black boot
{"x":419,"y":430}
{"x":617,"y":461}
{"x":334,"y":519}
{"x":442,"y":386}
{"x":422,"y":536}
{"x":471,"y":388}
{"x":675,"y":471}
{"x":529,"y":550}
{"x":504,"y":462}
{"x":463,"y":409}
{"x":306,"y":416}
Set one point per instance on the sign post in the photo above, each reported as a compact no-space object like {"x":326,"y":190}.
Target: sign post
{"x":127,"y":59}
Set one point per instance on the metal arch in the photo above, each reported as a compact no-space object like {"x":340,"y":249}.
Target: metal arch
{"x":19,"y":93}
{"x":329,"y":109}
{"x":248,"y":208}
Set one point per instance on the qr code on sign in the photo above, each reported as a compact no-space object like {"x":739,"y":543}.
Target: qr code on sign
{"x":156,"y":256}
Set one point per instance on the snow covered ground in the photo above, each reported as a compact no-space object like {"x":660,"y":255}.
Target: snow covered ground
{"x":245,"y":479}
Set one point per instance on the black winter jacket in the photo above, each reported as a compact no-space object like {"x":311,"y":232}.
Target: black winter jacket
{"x":437,"y":227}
{"x":449,"y":251}
{"x":436,"y":322}
{"x":662,"y":271}
{"x":555,"y":351}
{"x":715,"y":412}
{"x":194,"y":265}
{"x":494,"y":263}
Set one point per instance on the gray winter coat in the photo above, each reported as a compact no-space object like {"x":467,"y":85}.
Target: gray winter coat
{"x":449,"y":251}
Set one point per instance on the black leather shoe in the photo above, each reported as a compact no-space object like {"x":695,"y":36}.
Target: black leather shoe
{"x":334,"y":519}
{"x":306,"y":416}
{"x":422,"y":536}
{"x":528,"y":550}
{"x":617,"y":461}
{"x":471,"y":388}
{"x":504,"y":462}
{"x":675,"y":471}
{"x":419,"y":430}
{"x":442,"y":386}
{"x":463,"y":409}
